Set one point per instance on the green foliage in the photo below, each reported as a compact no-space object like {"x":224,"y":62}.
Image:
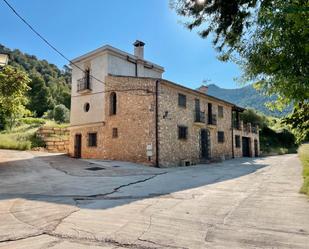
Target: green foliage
{"x":39,"y":96}
{"x":13,"y":89}
{"x":61,"y":114}
{"x":11,"y":142}
{"x":270,"y":139}
{"x":303,"y":153}
{"x":299,"y":122}
{"x":274,"y":136}
{"x":227,"y":20}
{"x":269,"y":39}
{"x":32,"y":121}
{"x":277,"y":56}
{"x":251,"y":116}
{"x":23,"y":135}
{"x":60,"y":92}
{"x":49,"y":87}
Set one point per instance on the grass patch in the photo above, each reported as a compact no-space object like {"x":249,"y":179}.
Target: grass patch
{"x":23,"y":134}
{"x":20,"y":139}
{"x":8,"y":141}
{"x":303,"y":154}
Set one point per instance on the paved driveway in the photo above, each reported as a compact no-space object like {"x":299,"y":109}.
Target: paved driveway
{"x":51,"y":201}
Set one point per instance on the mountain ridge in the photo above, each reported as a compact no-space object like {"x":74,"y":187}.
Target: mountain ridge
{"x":247,"y":97}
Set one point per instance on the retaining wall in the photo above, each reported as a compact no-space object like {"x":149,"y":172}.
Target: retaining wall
{"x":56,"y":139}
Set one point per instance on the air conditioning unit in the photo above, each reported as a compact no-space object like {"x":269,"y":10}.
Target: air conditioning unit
{"x":186,"y":163}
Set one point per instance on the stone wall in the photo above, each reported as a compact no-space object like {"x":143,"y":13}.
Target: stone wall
{"x":242,"y":132}
{"x":56,"y":139}
{"x":174,"y":151}
{"x":135,"y":123}
{"x":134,"y":120}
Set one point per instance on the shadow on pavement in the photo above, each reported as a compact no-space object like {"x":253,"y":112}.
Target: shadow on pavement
{"x":63,"y":180}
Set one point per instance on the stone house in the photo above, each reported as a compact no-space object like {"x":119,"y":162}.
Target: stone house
{"x":122,"y":109}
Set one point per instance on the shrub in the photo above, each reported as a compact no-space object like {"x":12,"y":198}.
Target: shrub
{"x":280,"y":142}
{"x":32,"y":121}
{"x":48,"y":115}
{"x":303,"y":153}
{"x":61,"y":114}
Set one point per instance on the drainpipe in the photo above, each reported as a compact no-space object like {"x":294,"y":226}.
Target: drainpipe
{"x":157,"y":124}
{"x":233,"y":154}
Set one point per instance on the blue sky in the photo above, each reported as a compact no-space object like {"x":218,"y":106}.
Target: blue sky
{"x":79,"y":26}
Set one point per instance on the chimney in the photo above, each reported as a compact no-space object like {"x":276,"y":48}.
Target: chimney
{"x":203,"y":89}
{"x":139,"y":49}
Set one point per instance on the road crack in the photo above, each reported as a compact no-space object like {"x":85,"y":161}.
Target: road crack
{"x":99,"y":196}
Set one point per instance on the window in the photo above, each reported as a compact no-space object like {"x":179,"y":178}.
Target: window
{"x":87,"y":78}
{"x":182,"y":132}
{"x":220,"y":111}
{"x":92,"y":139}
{"x":220,"y":137}
{"x":113,"y":103}
{"x":86,"y":107}
{"x":115,"y":133}
{"x":237,"y":141}
{"x":182,"y":100}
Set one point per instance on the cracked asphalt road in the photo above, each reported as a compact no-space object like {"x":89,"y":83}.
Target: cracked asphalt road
{"x":52,"y":201}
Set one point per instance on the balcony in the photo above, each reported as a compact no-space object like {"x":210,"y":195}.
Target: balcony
{"x":84,"y":84}
{"x":245,"y":127}
{"x":237,"y":125}
{"x":199,"y":117}
{"x":212,"y":119}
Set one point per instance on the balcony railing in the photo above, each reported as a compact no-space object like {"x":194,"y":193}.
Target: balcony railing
{"x":212,"y":119}
{"x":246,"y":127}
{"x":199,"y":117}
{"x":84,"y":84}
{"x":237,"y":125}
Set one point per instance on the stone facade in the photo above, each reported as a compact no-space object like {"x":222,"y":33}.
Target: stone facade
{"x":176,"y":151}
{"x":252,"y":134}
{"x":135,"y":121}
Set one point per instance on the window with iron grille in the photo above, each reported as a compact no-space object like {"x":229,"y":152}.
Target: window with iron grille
{"x":220,"y":136}
{"x":237,"y":141}
{"x":115,"y":132}
{"x":182,"y":100}
{"x":182,"y":132}
{"x":92,"y":139}
{"x":220,"y":111}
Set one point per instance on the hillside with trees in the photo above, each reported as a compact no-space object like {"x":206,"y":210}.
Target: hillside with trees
{"x":49,"y":86}
{"x":248,"y":97}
